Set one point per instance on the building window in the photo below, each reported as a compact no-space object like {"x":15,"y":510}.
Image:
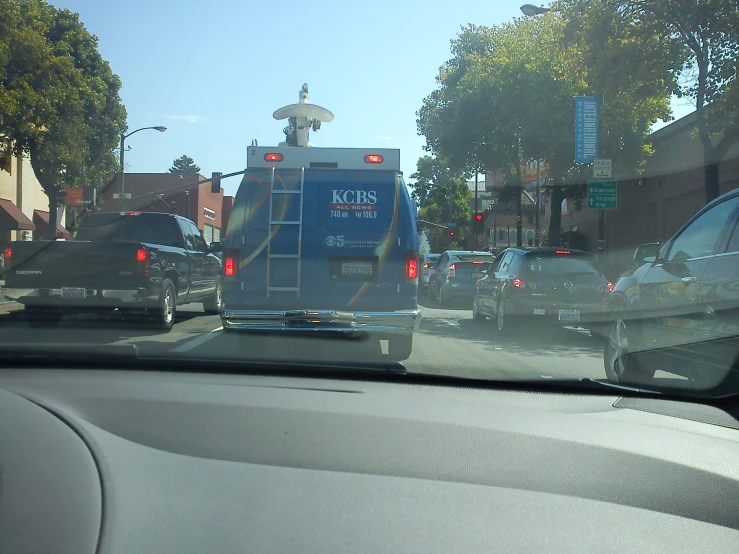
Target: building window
{"x":208,"y":233}
{"x":216,"y":234}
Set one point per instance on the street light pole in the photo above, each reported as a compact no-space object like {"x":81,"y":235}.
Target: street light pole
{"x":122,"y":199}
{"x":537,"y":238}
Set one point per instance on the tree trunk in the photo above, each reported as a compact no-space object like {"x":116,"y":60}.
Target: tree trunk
{"x":519,"y":218}
{"x":711,"y":176}
{"x":555,"y":216}
{"x":53,"y":206}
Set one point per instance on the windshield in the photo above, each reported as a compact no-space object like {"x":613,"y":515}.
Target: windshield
{"x":562,"y":265}
{"x":552,"y":193}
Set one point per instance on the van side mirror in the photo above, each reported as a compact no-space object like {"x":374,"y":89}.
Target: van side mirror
{"x":647,"y":253}
{"x":215,"y":247}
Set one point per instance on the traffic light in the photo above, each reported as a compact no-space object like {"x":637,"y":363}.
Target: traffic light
{"x":451,"y":234}
{"x":478,"y":223}
{"x":215,"y":182}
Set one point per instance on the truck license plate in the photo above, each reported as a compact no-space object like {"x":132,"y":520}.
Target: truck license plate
{"x":569,"y":315}
{"x":354,"y":269}
{"x":73,"y":293}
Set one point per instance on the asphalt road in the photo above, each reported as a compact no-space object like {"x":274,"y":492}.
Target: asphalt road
{"x":448,"y":342}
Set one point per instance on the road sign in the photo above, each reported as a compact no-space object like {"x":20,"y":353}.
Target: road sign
{"x":586,"y":129}
{"x":75,"y":196}
{"x":601,"y":169}
{"x":452,"y":225}
{"x":602,"y":195}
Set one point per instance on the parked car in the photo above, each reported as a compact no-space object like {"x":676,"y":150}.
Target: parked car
{"x":556,"y":285}
{"x":455,"y":274}
{"x":677,"y":310}
{"x":136,"y":261}
{"x":428,"y":263}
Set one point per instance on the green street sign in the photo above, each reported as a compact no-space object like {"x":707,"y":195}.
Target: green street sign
{"x":602,"y":195}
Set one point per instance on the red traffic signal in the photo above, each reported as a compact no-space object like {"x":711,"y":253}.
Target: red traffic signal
{"x":451,"y":233}
{"x":478,"y":223}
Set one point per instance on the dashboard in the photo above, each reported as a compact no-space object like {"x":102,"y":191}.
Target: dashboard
{"x":104,"y":461}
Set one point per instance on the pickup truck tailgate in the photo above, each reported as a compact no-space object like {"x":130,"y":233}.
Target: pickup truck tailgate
{"x":72,"y":263}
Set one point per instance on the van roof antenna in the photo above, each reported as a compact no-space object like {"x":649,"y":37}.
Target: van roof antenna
{"x":302,"y":117}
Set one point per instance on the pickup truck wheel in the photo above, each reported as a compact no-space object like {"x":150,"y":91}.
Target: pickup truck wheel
{"x":165,"y":314}
{"x":212,"y":306}
{"x":399,"y":348}
{"x":43,"y":317}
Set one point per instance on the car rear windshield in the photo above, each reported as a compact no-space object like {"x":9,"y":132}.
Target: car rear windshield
{"x":151,"y":228}
{"x":561,"y":264}
{"x":432,"y":258}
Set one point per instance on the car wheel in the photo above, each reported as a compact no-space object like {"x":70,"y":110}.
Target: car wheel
{"x":164,"y":316}
{"x":399,"y":347}
{"x":476,"y":315}
{"x":43,"y":317}
{"x":213,"y":305}
{"x":623,"y":339}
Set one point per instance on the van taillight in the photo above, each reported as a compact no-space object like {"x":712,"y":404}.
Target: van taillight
{"x":141,"y":255}
{"x":229,"y":264}
{"x":411,"y":266}
{"x":8,"y":253}
{"x":518,"y":283}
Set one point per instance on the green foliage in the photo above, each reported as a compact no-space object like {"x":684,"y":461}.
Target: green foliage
{"x":696,"y":41}
{"x":184,"y":165}
{"x":59,"y":99}
{"x":507,"y":95}
{"x":443,"y":197}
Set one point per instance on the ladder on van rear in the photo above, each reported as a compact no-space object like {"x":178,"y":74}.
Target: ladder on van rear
{"x":289,"y":261}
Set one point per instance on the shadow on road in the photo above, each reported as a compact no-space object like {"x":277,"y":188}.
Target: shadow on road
{"x":527,"y":338}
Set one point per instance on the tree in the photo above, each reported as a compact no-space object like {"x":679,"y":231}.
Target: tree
{"x":59,"y":100}
{"x":184,"y":165}
{"x":506,"y":97}
{"x":443,"y":197}
{"x":705,"y":37}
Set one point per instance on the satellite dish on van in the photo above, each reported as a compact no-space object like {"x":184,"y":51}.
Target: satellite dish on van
{"x":309,"y":111}
{"x":302,"y":117}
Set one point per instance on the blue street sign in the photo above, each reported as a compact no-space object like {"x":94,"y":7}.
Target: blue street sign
{"x":586,"y":129}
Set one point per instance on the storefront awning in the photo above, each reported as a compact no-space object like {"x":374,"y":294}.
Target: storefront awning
{"x":12,"y":218}
{"x":41,"y":219}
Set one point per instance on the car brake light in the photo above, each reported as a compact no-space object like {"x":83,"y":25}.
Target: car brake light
{"x":141,"y":255}
{"x":610,"y":286}
{"x":452,"y":272}
{"x":478,"y":263}
{"x":273,"y":157}
{"x":373,"y":159}
{"x":411,"y":266}
{"x":561,"y":251}
{"x":8,"y":252}
{"x":229,"y":266}
{"x":131,"y":213}
{"x":518,"y":283}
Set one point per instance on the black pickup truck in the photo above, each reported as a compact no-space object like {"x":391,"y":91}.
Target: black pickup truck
{"x":134,"y":261}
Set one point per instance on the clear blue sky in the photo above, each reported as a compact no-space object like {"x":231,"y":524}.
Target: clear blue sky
{"x":214,"y":72}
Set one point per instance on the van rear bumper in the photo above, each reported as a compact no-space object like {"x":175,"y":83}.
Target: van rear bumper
{"x":329,"y":321}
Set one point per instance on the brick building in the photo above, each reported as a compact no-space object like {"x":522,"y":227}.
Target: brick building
{"x":169,"y":192}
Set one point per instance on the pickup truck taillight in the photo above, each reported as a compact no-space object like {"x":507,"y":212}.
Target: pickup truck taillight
{"x":8,"y":258}
{"x":230,"y":263}
{"x":143,"y":263}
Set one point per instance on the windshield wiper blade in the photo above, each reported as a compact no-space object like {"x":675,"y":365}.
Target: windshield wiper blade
{"x":618,"y":386}
{"x":50,"y":353}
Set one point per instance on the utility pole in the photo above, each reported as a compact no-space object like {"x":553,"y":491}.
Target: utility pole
{"x":477,"y":235}
{"x":537,"y":237}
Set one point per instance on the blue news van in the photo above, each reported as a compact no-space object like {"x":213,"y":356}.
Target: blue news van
{"x":323,"y":239}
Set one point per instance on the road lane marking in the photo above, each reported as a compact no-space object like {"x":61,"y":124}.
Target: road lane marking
{"x":197,"y":341}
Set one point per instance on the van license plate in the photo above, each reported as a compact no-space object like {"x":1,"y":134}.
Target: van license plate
{"x":73,"y":293}
{"x":355,"y":269}
{"x":569,"y":315}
